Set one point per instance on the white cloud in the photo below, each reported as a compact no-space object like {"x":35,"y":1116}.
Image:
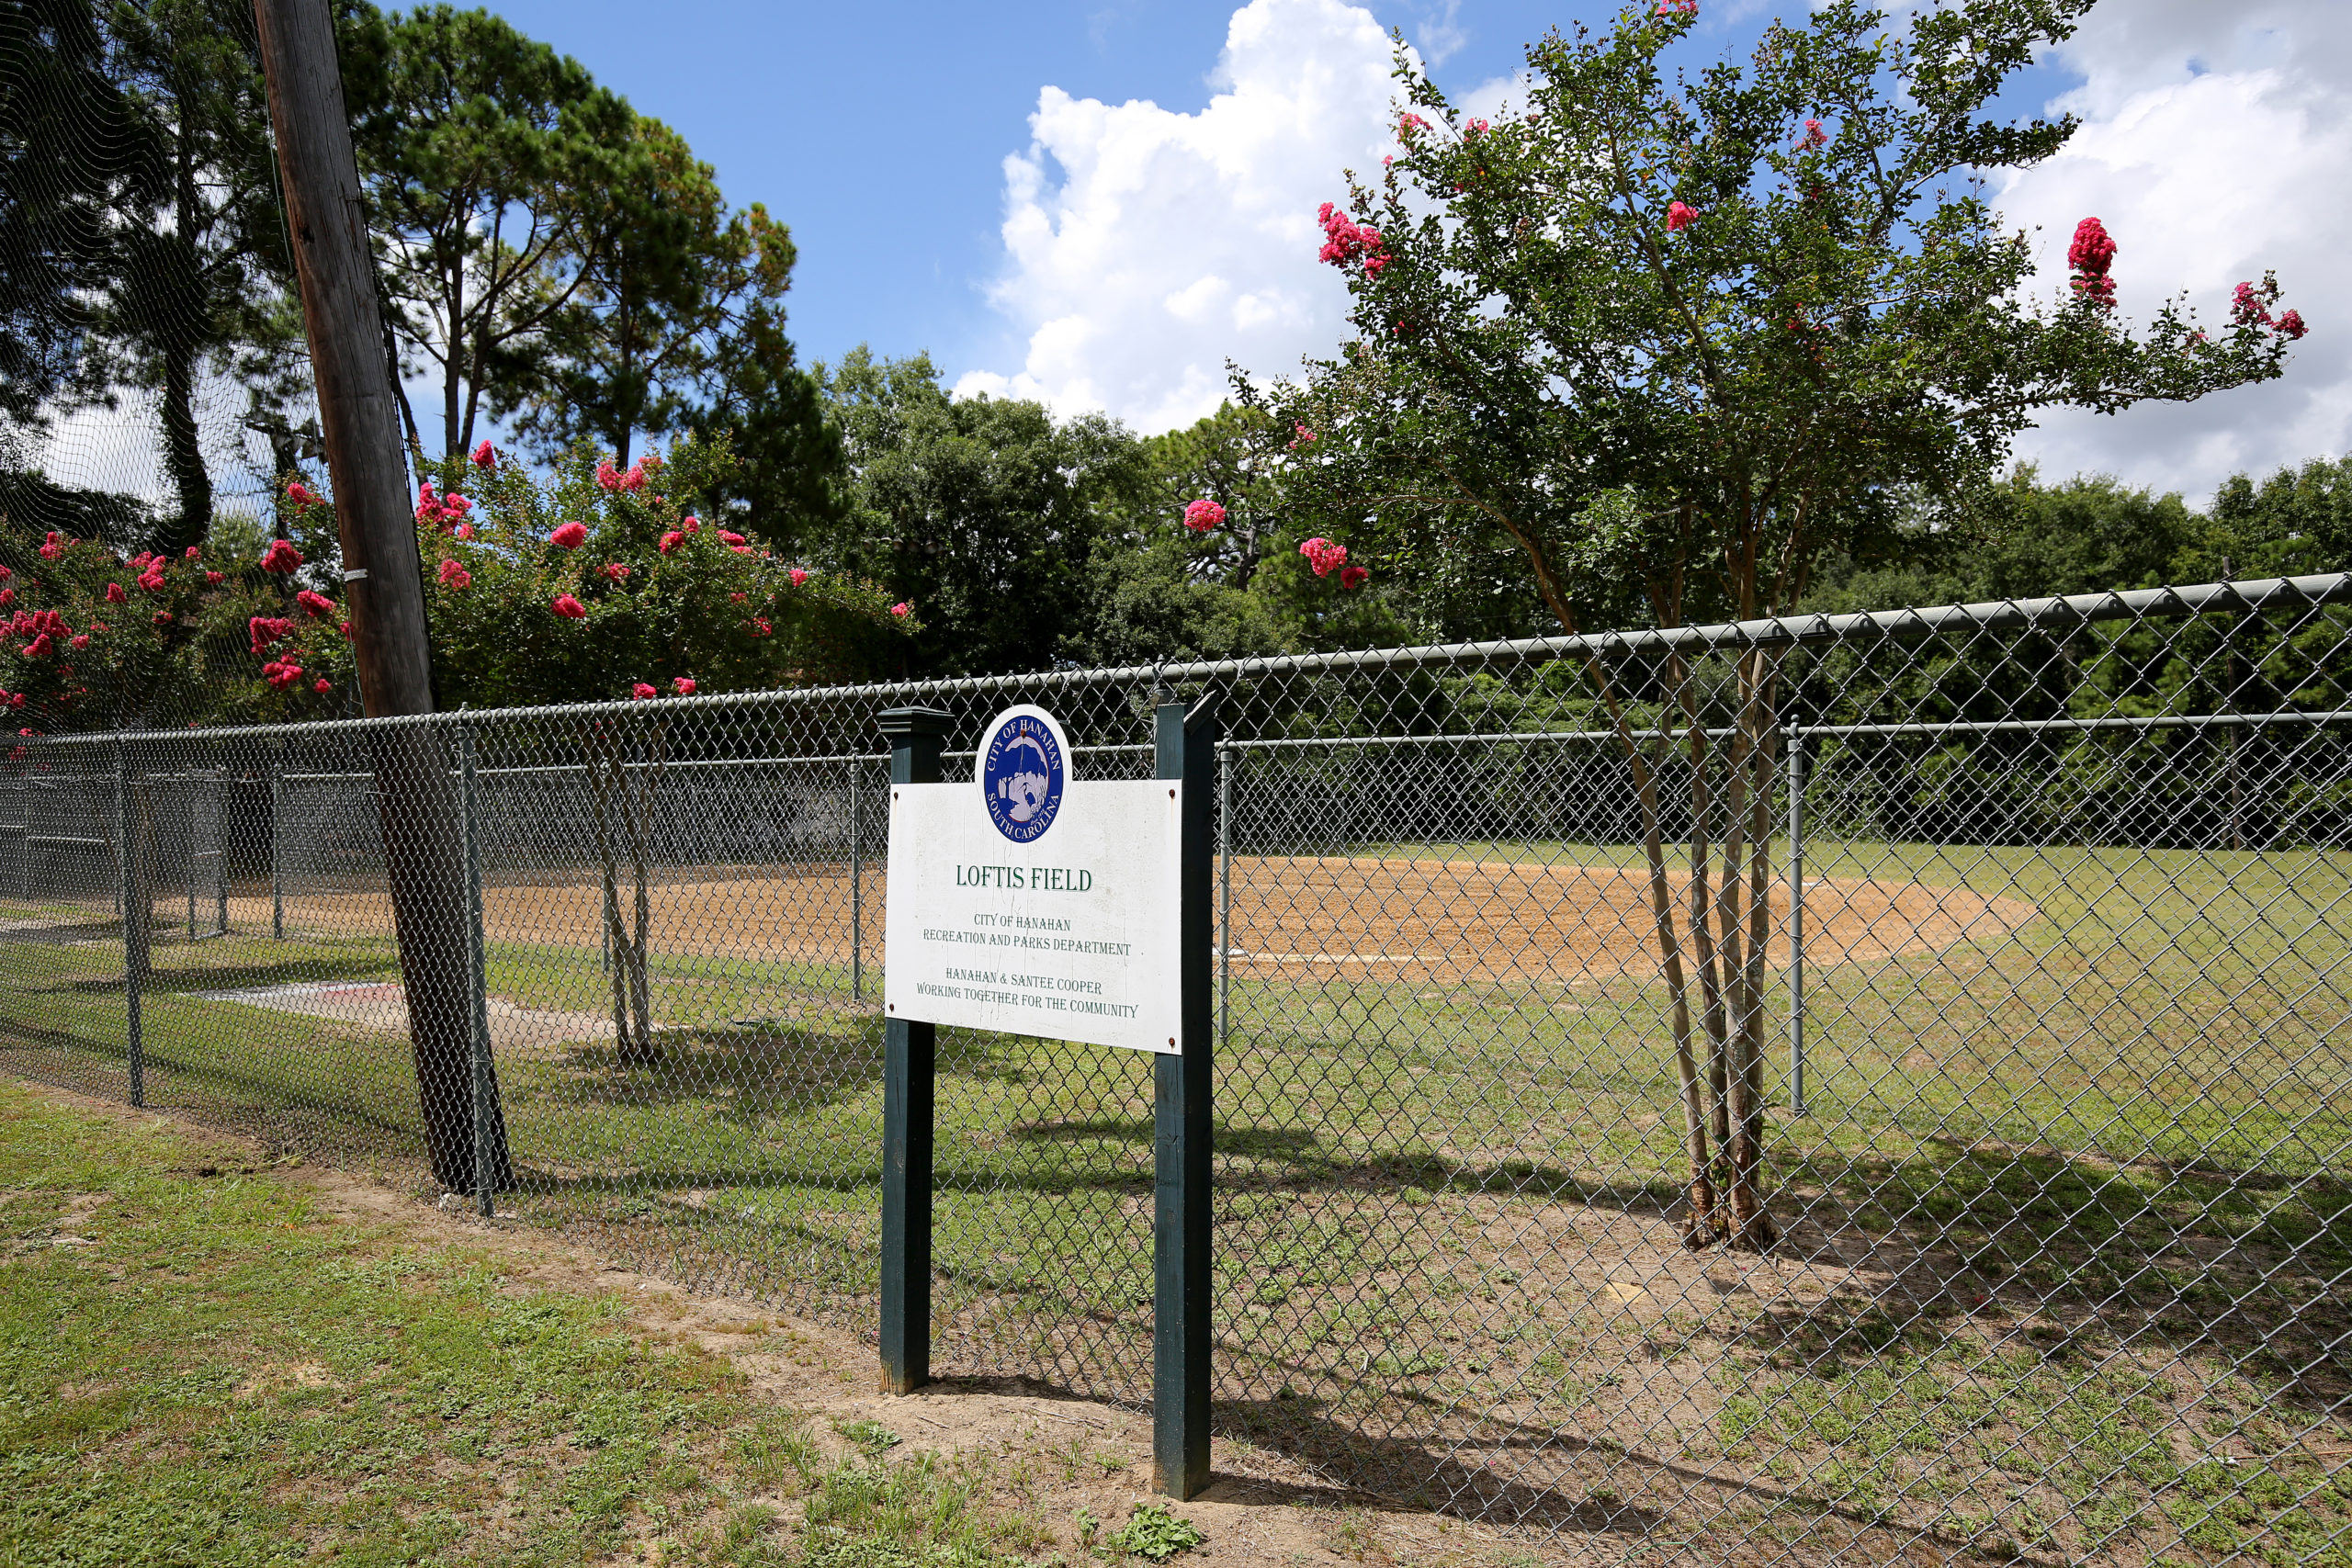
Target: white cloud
{"x":2212,"y":142}
{"x":1146,"y":247}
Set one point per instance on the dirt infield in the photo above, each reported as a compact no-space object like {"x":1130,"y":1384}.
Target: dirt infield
{"x":1297,"y":916}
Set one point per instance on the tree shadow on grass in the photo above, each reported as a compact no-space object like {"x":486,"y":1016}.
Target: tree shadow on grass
{"x":188,"y":978}
{"x":742,"y":1075}
{"x":2171,"y":1262}
{"x":1529,"y":1475}
{"x":222,"y":1092}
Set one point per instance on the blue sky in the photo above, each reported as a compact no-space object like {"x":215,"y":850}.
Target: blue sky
{"x":880,"y":132}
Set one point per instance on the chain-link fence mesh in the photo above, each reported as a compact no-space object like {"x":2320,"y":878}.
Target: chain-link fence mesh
{"x":2025,"y":1016}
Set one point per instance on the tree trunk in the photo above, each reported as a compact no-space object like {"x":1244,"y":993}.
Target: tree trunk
{"x":1752,"y":1226}
{"x":601,"y":773}
{"x":1698,"y":1227}
{"x":181,"y":323}
{"x":183,"y":452}
{"x":615,"y":807}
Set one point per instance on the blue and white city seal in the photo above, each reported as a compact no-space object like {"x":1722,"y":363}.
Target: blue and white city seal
{"x":1023,"y":766}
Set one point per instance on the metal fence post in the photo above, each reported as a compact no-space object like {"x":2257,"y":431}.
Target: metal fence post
{"x":130,"y":868}
{"x":1186,"y":750}
{"x":856,"y":889}
{"x":477,"y":977}
{"x":276,"y":836}
{"x":916,"y":736}
{"x":1796,"y":923}
{"x":190,"y":856}
{"x":221,"y":852}
{"x":1224,"y":898}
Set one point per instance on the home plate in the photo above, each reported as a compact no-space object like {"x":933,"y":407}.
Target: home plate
{"x":383,"y":1005}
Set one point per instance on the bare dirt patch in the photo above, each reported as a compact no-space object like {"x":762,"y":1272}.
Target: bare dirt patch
{"x":1294,"y":916}
{"x":1062,"y":1459}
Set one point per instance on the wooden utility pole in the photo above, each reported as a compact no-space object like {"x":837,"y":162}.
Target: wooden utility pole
{"x":383,"y":580}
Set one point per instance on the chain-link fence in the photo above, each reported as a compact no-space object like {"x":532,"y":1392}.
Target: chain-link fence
{"x":2010,"y":1050}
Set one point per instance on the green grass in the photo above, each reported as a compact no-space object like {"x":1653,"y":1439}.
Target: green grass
{"x":2132,"y":1111}
{"x":199,"y":1366}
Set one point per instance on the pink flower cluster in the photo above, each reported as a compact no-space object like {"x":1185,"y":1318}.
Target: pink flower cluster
{"x":682,"y":684}
{"x":570,"y":609}
{"x":454,"y":575}
{"x":1202,"y":515}
{"x":301,"y":495}
{"x":318,"y":604}
{"x":441,"y":511}
{"x":1676,"y":7}
{"x":2088,"y":258}
{"x":610,"y":478}
{"x":282,"y":674}
{"x":1324,"y":556}
{"x":1346,"y":242}
{"x":2250,"y":306}
{"x":265,"y":630}
{"x":1300,"y":435}
{"x":484,"y":457}
{"x":571,"y":536}
{"x":281,"y":557}
{"x":42,"y":626}
{"x":1407,"y":123}
{"x":799,"y":575}
{"x":1681,"y":216}
{"x":902,"y":609}
{"x":613,"y":571}
{"x":1814,"y":137}
{"x":52,"y":547}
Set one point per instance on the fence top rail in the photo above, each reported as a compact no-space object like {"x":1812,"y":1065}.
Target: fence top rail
{"x":2272,"y":593}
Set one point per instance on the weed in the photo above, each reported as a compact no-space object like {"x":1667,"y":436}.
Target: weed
{"x":871,"y":1436}
{"x":1154,"y":1534}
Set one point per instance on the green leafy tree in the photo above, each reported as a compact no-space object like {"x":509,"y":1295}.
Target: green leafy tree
{"x":2297,"y":520}
{"x":673,"y":290}
{"x":790,"y":481}
{"x":201,"y":277}
{"x":68,"y":145}
{"x":985,"y":513}
{"x":1671,"y":342}
{"x":492,"y":165}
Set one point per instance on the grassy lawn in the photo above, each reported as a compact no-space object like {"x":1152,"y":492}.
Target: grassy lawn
{"x":2058,"y":1190}
{"x":200,"y":1365}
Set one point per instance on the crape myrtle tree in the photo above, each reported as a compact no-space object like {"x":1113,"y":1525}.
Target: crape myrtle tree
{"x":599,"y":583}
{"x":1669,"y":340}
{"x":91,"y":639}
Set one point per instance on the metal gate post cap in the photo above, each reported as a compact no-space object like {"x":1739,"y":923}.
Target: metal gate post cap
{"x":905,"y":723}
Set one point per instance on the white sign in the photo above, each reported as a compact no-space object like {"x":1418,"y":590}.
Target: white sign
{"x":1033,"y":903}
